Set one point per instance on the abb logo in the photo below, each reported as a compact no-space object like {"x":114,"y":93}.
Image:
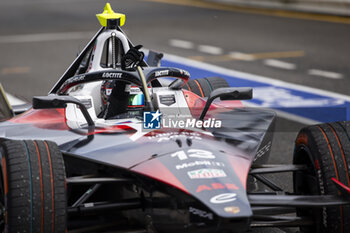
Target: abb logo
{"x":215,"y":186}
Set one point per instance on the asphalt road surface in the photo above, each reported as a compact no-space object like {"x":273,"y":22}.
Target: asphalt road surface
{"x":40,"y":38}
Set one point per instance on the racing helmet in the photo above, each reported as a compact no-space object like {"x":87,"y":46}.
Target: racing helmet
{"x":119,"y":96}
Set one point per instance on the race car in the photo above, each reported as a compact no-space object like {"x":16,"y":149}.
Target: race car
{"x":124,"y":145}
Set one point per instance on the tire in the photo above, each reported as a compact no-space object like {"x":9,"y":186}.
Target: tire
{"x":32,"y":187}
{"x":325,"y":149}
{"x":216,"y":82}
{"x":204,"y":86}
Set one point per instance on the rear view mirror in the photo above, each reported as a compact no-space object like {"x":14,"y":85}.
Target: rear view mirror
{"x":232,"y":93}
{"x":227,"y":93}
{"x":60,"y":101}
{"x":154,"y":58}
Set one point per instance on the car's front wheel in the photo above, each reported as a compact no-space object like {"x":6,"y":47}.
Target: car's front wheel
{"x":33,"y":194}
{"x":325,"y":149}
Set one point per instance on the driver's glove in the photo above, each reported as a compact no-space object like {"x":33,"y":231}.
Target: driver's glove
{"x":132,"y":58}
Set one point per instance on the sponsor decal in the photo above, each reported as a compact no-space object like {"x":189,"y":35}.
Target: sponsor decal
{"x":173,"y":135}
{"x":135,"y":90}
{"x":216,"y":186}
{"x":223,"y":198}
{"x":161,"y":73}
{"x":263,"y":150}
{"x":151,"y":120}
{"x":206,"y":173}
{"x":232,"y":209}
{"x":200,"y":163}
{"x":109,"y":91}
{"x":193,"y":153}
{"x":201,"y":213}
{"x":185,"y":72}
{"x":76,"y":78}
{"x":111,"y":75}
{"x":322,"y":190}
{"x":86,"y":102}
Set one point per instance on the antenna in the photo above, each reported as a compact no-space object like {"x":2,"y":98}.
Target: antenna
{"x":108,"y":18}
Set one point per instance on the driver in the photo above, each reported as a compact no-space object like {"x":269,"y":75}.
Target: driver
{"x":116,"y":94}
{"x":117,"y":100}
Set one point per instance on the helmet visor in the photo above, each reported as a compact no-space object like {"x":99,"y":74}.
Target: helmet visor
{"x":136,"y":98}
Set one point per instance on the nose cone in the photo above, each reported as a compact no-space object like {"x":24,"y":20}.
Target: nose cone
{"x":226,"y":198}
{"x":214,"y":178}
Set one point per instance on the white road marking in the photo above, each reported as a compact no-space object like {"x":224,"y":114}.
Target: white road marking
{"x":280,"y":64}
{"x":184,"y":44}
{"x":241,"y":56}
{"x":41,"y":37}
{"x":213,"y":50}
{"x":325,"y":74}
{"x":253,"y":77}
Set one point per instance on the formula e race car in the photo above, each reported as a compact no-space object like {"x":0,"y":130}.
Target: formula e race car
{"x":124,"y":145}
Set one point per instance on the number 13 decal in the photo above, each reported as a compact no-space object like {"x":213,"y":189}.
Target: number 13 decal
{"x":193,"y":153}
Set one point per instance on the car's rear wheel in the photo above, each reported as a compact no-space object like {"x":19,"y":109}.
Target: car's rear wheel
{"x":33,"y":194}
{"x":325,"y":149}
{"x":204,"y":86}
